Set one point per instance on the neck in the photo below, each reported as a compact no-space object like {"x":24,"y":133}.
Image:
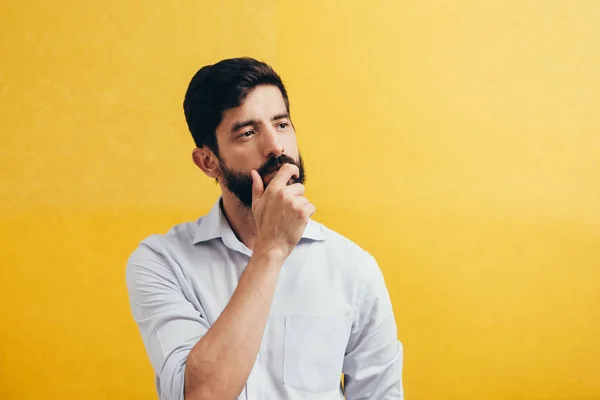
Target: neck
{"x":240,"y":219}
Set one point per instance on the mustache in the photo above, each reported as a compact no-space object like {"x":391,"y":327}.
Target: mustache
{"x":274,"y":163}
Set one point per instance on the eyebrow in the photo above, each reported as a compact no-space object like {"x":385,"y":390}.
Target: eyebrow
{"x":242,"y":124}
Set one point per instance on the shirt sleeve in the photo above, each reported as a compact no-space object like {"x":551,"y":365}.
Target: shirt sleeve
{"x":374,"y":355}
{"x":169,"y":324}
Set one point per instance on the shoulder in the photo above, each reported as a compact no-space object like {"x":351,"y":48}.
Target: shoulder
{"x":358,"y":266}
{"x":348,"y":252}
{"x":159,"y":247}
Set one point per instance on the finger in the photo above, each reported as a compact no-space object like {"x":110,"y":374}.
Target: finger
{"x":296,"y":189}
{"x":300,"y":202}
{"x":258,"y":186}
{"x":309,"y":210}
{"x":285,"y":173}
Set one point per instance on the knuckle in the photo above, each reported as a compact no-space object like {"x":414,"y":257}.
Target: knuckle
{"x":281,"y":194}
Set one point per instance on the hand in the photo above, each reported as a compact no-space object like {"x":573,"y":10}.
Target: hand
{"x":281,"y":212}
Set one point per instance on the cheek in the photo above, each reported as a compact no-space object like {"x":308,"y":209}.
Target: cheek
{"x":244,"y":159}
{"x":291,"y":145}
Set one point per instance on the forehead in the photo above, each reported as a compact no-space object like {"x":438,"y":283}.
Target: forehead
{"x":263,"y":102}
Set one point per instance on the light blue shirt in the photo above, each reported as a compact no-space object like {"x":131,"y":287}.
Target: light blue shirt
{"x":331,"y":312}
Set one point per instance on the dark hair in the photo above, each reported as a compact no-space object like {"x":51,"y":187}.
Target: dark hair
{"x":221,"y":86}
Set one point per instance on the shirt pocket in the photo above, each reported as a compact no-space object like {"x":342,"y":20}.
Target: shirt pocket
{"x":314,"y":351}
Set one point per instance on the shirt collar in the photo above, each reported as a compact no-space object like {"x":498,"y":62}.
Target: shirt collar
{"x":214,"y":225}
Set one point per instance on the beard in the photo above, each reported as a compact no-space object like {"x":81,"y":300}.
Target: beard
{"x":240,"y":183}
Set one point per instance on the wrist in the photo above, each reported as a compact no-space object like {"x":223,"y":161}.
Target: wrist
{"x":270,"y":254}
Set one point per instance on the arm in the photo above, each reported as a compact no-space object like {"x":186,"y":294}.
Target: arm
{"x":374,"y":357}
{"x":191,"y":359}
{"x":183,"y":349}
{"x":219,"y":365}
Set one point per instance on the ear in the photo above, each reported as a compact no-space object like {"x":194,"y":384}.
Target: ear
{"x":207,"y":161}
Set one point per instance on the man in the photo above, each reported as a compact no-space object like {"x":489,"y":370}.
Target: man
{"x":255,"y":300}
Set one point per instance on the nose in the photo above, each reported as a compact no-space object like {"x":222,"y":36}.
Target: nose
{"x":272,"y":145}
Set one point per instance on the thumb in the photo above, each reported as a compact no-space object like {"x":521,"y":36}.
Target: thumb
{"x":258,"y":186}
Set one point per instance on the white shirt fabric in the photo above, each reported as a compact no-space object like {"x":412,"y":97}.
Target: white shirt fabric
{"x":331,"y":313}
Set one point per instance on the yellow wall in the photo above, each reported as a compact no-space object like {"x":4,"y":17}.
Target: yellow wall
{"x":464,"y":142}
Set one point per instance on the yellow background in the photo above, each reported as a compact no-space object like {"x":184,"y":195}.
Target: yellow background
{"x":457,"y":141}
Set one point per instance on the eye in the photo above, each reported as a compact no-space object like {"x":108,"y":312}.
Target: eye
{"x":247,"y":134}
{"x":283,"y":125}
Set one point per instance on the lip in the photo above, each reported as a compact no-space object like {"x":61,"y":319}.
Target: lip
{"x":268,"y":177}
{"x":272,"y":173}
